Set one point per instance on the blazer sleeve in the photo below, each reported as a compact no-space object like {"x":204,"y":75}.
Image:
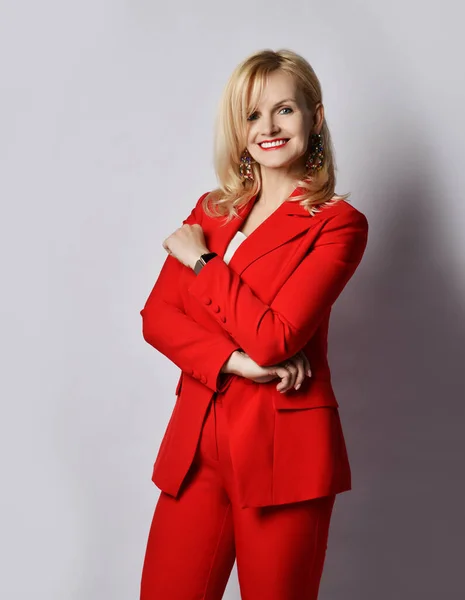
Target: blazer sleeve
{"x":271,"y":334}
{"x":165,"y":326}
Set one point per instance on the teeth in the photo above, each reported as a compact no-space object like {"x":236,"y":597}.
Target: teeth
{"x":272,"y":144}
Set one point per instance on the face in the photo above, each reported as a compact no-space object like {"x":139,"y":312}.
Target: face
{"x":279,"y":130}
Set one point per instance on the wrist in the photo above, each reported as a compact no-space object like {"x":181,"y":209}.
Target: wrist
{"x":233,"y":364}
{"x":196,"y":256}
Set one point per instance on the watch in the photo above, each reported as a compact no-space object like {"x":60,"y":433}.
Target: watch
{"x":204,"y":258}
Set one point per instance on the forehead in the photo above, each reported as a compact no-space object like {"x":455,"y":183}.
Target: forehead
{"x":277,"y":86}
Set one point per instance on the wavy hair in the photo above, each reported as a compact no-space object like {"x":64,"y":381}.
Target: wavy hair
{"x":239,"y":100}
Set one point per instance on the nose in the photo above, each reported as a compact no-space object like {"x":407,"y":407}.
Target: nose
{"x":268,"y":125}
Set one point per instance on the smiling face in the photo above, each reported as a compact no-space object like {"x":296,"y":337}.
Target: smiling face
{"x":280,"y":127}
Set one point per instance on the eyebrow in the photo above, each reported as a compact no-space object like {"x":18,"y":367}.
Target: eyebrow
{"x":285,"y":100}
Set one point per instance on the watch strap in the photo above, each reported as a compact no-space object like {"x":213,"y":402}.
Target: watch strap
{"x":204,"y":258}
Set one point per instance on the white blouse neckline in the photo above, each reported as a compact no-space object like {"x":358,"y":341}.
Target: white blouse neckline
{"x":233,"y":245}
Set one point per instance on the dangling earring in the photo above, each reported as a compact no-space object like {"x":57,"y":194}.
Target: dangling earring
{"x":316,"y":157}
{"x":245,"y":168}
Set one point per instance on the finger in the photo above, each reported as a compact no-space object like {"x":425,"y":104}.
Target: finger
{"x":307,"y":366}
{"x":283,"y":375}
{"x":292,"y":368}
{"x":301,"y":366}
{"x":289,"y":373}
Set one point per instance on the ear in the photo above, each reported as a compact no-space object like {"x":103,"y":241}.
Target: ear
{"x":318,"y":117}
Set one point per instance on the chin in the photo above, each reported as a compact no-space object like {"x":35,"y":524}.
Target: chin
{"x":279,"y":165}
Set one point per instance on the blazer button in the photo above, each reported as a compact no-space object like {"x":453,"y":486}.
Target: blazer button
{"x":203,"y":379}
{"x":207,"y":300}
{"x":194,"y":373}
{"x":223,"y":319}
{"x":216,"y":308}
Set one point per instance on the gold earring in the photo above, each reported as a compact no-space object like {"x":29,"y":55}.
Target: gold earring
{"x":245,"y":168}
{"x":316,"y":157}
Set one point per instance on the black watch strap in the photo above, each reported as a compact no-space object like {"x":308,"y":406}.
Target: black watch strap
{"x":204,"y":258}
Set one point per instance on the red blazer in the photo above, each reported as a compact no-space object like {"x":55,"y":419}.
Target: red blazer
{"x":273,"y":299}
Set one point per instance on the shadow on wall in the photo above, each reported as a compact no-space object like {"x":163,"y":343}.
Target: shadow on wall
{"x":402,"y":394}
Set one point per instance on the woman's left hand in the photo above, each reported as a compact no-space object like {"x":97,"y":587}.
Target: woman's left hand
{"x":186,"y":244}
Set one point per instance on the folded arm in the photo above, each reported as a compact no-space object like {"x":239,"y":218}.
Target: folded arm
{"x":271,"y":334}
{"x":165,"y":326}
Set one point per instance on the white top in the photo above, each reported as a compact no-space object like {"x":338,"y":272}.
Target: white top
{"x":233,"y":245}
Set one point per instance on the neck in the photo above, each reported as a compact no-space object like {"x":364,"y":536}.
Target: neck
{"x":276,"y":186}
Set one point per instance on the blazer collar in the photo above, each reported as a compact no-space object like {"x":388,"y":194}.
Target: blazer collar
{"x":288,"y":221}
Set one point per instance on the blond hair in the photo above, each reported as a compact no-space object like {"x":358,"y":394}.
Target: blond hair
{"x":239,"y":100}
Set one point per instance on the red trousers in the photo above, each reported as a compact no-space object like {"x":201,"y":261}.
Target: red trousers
{"x":195,"y":539}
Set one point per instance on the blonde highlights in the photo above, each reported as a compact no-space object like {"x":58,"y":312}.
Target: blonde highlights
{"x":239,"y":100}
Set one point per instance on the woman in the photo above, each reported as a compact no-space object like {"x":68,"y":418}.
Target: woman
{"x":254,"y":454}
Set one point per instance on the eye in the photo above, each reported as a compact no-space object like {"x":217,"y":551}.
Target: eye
{"x":254,"y":115}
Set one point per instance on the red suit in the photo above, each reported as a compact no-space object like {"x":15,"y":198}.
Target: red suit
{"x":273,"y":299}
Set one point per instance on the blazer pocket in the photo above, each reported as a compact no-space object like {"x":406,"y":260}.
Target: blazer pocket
{"x":312,"y":394}
{"x":179,"y":385}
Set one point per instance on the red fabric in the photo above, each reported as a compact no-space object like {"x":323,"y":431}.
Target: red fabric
{"x":272,"y":299}
{"x":194,"y":539}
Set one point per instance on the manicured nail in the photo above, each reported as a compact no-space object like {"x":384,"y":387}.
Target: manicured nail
{"x":297,"y":386}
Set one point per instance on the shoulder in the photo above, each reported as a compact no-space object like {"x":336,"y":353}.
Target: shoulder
{"x":198,"y":208}
{"x":197,"y":213}
{"x":342,"y":213}
{"x":343,"y":227}
{"x":205,"y":211}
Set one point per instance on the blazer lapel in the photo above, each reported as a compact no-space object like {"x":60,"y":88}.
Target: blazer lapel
{"x":286,"y":222}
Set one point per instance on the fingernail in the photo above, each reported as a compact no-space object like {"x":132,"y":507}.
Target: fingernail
{"x":297,"y":386}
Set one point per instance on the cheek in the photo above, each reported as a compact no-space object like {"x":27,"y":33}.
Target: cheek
{"x":250,"y":135}
{"x":301,"y":139}
{"x":301,"y":131}
{"x":251,"y":145}
{"x":254,"y":152}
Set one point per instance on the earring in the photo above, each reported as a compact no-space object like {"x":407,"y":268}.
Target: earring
{"x":245,"y":168}
{"x":316,"y":157}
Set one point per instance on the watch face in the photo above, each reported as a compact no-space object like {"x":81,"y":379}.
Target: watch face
{"x":203,"y":261}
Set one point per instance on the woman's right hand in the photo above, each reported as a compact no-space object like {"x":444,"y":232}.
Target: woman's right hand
{"x":291,"y":372}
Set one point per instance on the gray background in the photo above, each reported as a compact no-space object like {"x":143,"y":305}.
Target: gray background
{"x":105,"y":145}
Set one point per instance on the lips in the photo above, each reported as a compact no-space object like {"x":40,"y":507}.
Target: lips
{"x":273,"y":144}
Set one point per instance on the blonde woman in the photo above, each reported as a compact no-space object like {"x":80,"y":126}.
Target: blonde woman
{"x":254,"y":453}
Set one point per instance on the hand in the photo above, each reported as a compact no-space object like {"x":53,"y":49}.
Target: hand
{"x":291,"y":371}
{"x":186,"y":244}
